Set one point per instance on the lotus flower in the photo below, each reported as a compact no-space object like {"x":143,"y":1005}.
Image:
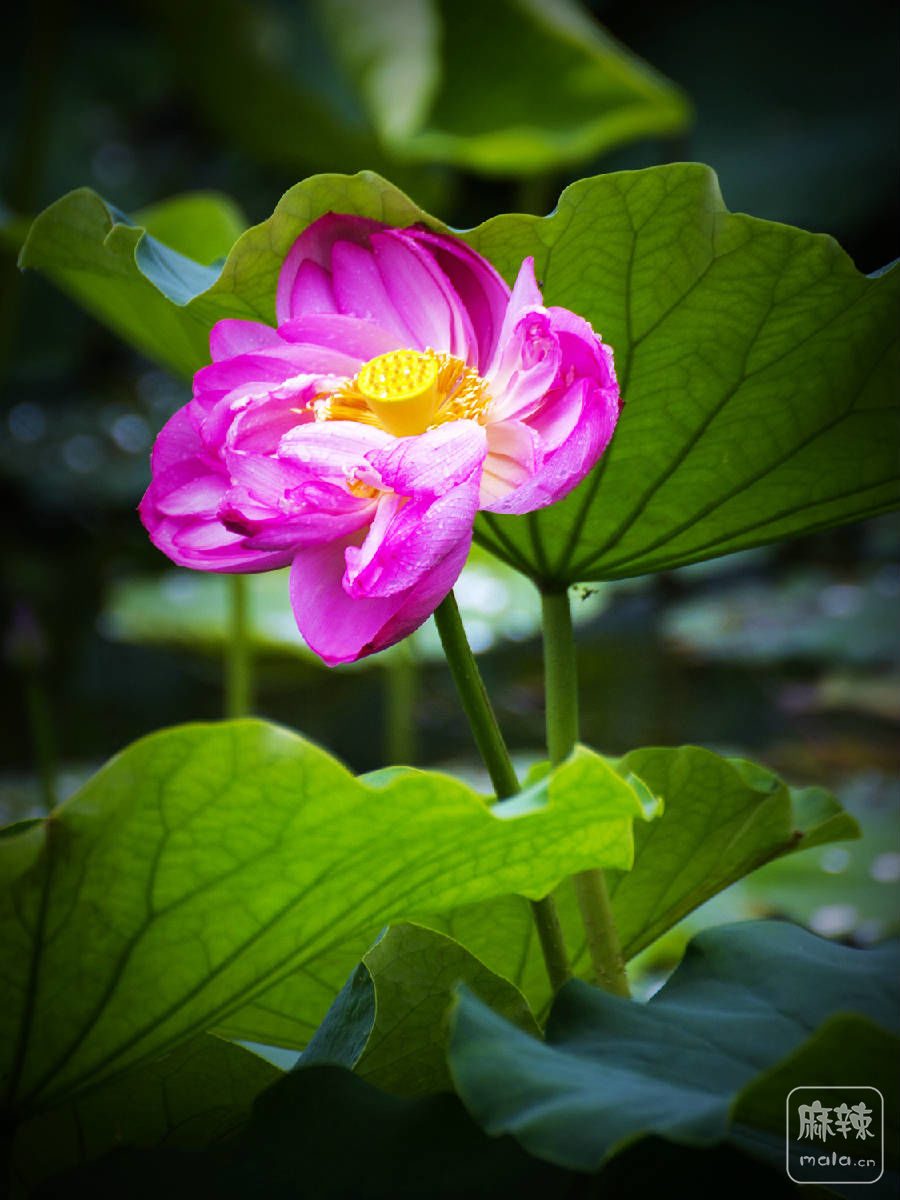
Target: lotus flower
{"x":404,"y":388}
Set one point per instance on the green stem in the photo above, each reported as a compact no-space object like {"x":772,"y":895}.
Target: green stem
{"x":475,"y":701}
{"x":496,"y":758}
{"x":238,"y":665}
{"x":561,"y":689}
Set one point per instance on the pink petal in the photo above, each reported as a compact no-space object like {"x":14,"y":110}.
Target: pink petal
{"x":526,"y":366}
{"x":481,"y":291}
{"x":255,"y":421}
{"x":340,"y":628}
{"x":196,"y":496}
{"x":434,"y":479}
{"x":525,"y":295}
{"x":307,"y":358}
{"x":229,"y":338}
{"x":411,"y":281}
{"x":176,"y":441}
{"x":358,"y":558}
{"x":209,"y":546}
{"x":309,"y":515}
{"x":359,"y":339}
{"x":227,"y":386}
{"x":334,"y":449}
{"x":555,"y":421}
{"x":301,"y":288}
{"x":360,"y":291}
{"x":203,"y":543}
{"x":275,"y":504}
{"x":265,"y":478}
{"x":275,"y":366}
{"x":433,"y":462}
{"x":582,"y":350}
{"x":316,"y":241}
{"x":337,"y":627}
{"x":180,"y":509}
{"x":204,"y":537}
{"x":257,"y":368}
{"x":259,"y":427}
{"x":563,"y":469}
{"x":410,"y":539}
{"x":514,"y":455}
{"x":421,"y":601}
{"x":312,"y":293}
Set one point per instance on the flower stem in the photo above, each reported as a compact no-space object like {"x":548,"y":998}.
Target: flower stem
{"x":496,"y":758}
{"x":238,"y":666}
{"x":561,"y":689}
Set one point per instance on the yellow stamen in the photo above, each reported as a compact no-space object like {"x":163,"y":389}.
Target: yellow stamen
{"x":406,"y":392}
{"x":363,"y":491}
{"x":401,"y":389}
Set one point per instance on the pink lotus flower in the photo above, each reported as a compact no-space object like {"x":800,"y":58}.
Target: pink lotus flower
{"x":404,"y":389}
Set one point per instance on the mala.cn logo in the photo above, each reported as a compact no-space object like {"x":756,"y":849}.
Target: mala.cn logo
{"x":835,"y":1134}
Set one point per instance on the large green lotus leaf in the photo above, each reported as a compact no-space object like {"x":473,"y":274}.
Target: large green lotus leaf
{"x":165,"y":303}
{"x":745,"y":997}
{"x":389,"y":1023}
{"x":758,"y":366}
{"x":289,"y":1013}
{"x":844,"y":891}
{"x":324,"y":1134}
{"x":206,"y":862}
{"x":202,"y":225}
{"x":726,"y":817}
{"x":758,"y":369}
{"x":199,"y":1093}
{"x":721,"y":819}
{"x":427,"y":73}
{"x":502,"y":928}
{"x":845,"y":1048}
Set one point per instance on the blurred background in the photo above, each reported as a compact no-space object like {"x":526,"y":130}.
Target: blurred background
{"x":787,"y":654}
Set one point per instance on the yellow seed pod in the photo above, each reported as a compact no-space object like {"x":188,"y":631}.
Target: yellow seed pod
{"x":401,"y":389}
